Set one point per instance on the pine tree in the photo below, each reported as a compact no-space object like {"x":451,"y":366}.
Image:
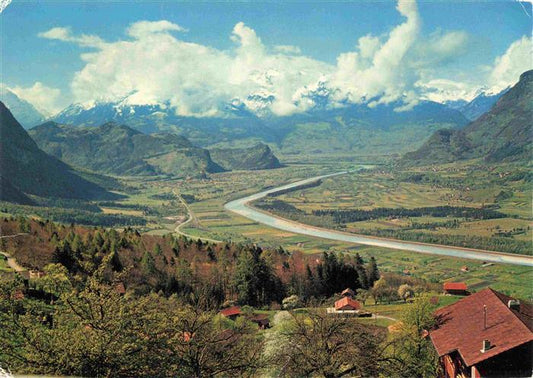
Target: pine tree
{"x":372,"y":272}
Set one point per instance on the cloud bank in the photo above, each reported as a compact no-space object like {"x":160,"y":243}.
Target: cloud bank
{"x":153,"y":65}
{"x":45,"y":99}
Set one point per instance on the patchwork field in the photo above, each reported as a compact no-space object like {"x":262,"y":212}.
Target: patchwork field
{"x":365,"y":190}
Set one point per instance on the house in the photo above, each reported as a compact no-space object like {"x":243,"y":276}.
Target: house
{"x":347,"y":304}
{"x":348,"y":293}
{"x":36,"y":274}
{"x":455,"y":288}
{"x":464,"y":269}
{"x":231,"y":312}
{"x":487,"y":334}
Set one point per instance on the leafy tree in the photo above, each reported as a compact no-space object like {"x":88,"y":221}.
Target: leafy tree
{"x":411,"y":346}
{"x":362,"y":295}
{"x":380,"y":289}
{"x":290,"y":303}
{"x":405,"y":292}
{"x":318,"y":344}
{"x":203,"y":346}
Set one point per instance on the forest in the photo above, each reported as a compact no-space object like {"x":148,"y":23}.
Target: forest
{"x":112,"y":303}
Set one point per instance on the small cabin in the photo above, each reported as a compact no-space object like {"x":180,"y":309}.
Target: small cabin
{"x":347,"y":304}
{"x":455,"y":288}
{"x":464,"y":269}
{"x":36,"y":274}
{"x":231,"y":312}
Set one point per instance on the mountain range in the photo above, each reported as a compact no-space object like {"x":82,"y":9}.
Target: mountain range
{"x":120,"y":150}
{"x":25,"y":169}
{"x":478,"y":106}
{"x":353,"y":128}
{"x":501,"y":134}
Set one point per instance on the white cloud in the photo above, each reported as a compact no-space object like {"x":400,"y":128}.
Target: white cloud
{"x":442,"y":90}
{"x":440,"y":48}
{"x":142,"y":28}
{"x":380,"y":71}
{"x":288,"y":49}
{"x":153,"y":65}
{"x":45,"y":99}
{"x":508,"y":67}
{"x":64,"y":34}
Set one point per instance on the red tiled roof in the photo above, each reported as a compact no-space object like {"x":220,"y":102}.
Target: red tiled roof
{"x":455,"y":286}
{"x":231,"y":311}
{"x":347,"y":301}
{"x":461,"y":327}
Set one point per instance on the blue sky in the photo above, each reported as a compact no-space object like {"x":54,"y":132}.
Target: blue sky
{"x":325,"y":33}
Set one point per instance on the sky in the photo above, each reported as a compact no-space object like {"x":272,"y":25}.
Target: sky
{"x":280,"y":57}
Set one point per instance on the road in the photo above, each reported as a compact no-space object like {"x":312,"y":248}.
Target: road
{"x":241,"y":206}
{"x":11,"y":261}
{"x":190,"y":218}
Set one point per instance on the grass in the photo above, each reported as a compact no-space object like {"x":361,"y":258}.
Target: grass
{"x":4,"y":267}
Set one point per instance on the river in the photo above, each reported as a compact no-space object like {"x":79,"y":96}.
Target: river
{"x":241,"y":206}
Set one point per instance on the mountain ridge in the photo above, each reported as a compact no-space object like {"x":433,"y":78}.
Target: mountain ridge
{"x":26,"y":169}
{"x":501,"y":134}
{"x":121,"y":150}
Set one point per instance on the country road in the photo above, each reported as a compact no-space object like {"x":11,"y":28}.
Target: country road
{"x":13,"y":263}
{"x":190,"y":218}
{"x":242,"y":207}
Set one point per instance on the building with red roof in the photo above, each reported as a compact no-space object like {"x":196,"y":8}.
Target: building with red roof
{"x":487,"y":334}
{"x":347,"y":304}
{"x":231,"y":312}
{"x":455,"y":288}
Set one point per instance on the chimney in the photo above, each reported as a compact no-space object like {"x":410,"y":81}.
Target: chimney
{"x":484,"y":316}
{"x":514,"y":304}
{"x":485,"y":346}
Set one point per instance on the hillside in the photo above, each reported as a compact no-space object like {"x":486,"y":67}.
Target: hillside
{"x":354,"y":128}
{"x":502,"y":134}
{"x":121,"y":150}
{"x":27,"y":169}
{"x":259,"y":156}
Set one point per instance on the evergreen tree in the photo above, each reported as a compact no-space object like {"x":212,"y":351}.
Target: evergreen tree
{"x":148,"y":263}
{"x":372,"y":272}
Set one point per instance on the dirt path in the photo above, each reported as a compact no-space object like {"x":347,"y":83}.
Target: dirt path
{"x":12,"y":262}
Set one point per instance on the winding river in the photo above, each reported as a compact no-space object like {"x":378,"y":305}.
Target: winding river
{"x":241,"y":206}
